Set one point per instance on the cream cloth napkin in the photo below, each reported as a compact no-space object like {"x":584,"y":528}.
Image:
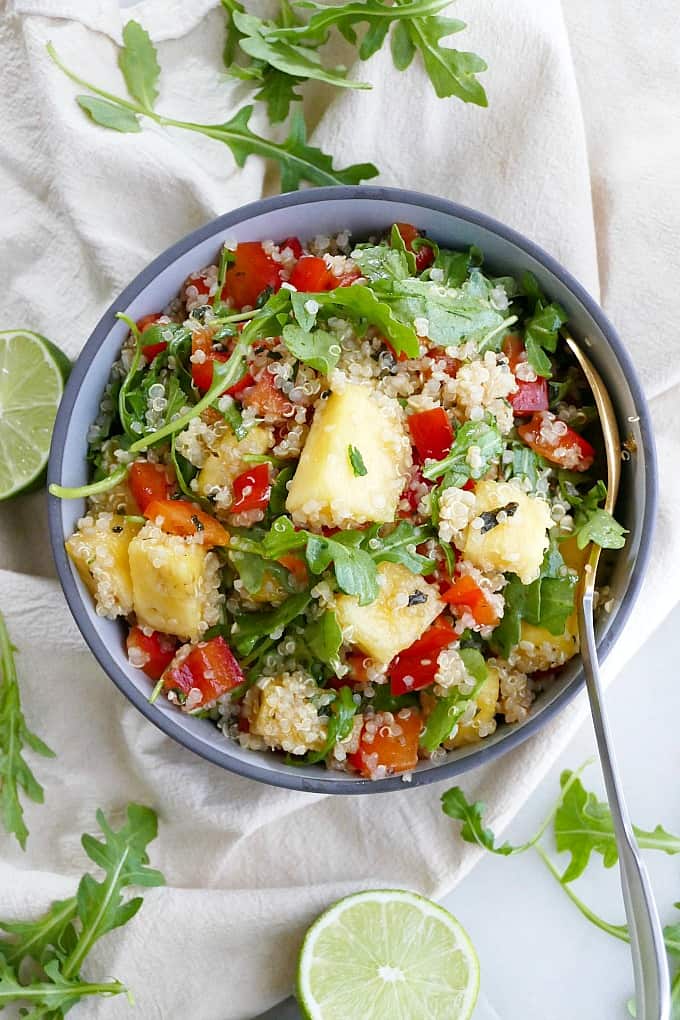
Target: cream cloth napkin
{"x":579,"y":149}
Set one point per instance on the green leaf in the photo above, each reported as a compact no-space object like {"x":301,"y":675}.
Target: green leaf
{"x":318,"y":349}
{"x":453,"y":315}
{"x":541,"y":335}
{"x":583,"y":825}
{"x":109,"y":115}
{"x":482,"y":434}
{"x":278,"y":92}
{"x":139,"y":65}
{"x":298,"y":61}
{"x":456,"y":805}
{"x":15,"y":773}
{"x":33,"y":938}
{"x":383,"y":262}
{"x":399,"y":546}
{"x":250,"y":627}
{"x":324,"y":637}
{"x":402,"y":46}
{"x":671,"y":934}
{"x":456,"y":265}
{"x":53,"y":996}
{"x":347,"y":15}
{"x":546,"y":602}
{"x":452,"y":72}
{"x":600,"y":527}
{"x":357,"y":461}
{"x":448,"y":711}
{"x":364,"y":304}
{"x":279,"y":493}
{"x":354,"y":569}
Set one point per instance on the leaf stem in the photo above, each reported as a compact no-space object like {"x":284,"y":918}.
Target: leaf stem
{"x":129,"y":105}
{"x":43,"y":992}
{"x":83,"y":491}
{"x":619,"y":931}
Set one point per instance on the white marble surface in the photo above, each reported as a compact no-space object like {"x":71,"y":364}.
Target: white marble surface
{"x":540,"y":959}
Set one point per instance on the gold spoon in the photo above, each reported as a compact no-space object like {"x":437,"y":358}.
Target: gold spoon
{"x":650,"y":963}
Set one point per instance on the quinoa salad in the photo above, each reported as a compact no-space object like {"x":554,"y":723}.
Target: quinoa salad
{"x":342,"y":491}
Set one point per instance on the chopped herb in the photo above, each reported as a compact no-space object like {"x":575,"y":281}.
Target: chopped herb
{"x":357,"y":461}
{"x":490,"y":520}
{"x":417,"y":598}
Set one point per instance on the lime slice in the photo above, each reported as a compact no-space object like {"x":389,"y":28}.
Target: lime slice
{"x":384,"y":955}
{"x":32,"y":374}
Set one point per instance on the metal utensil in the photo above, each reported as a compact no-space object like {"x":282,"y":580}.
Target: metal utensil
{"x":650,"y":964}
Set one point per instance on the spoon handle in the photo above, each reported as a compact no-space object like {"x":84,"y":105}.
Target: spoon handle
{"x":650,"y":963}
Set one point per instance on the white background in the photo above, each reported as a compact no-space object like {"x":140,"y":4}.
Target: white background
{"x":540,"y":959}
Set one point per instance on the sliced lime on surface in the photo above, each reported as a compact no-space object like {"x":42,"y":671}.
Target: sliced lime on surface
{"x":32,"y":374}
{"x":385,"y":955}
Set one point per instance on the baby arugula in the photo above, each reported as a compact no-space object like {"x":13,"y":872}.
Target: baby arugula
{"x":297,"y":160}
{"x":53,"y":948}
{"x":582,"y":826}
{"x":15,"y":773}
{"x":280,"y":53}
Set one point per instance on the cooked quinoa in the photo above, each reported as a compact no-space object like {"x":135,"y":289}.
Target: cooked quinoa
{"x":342,"y":488}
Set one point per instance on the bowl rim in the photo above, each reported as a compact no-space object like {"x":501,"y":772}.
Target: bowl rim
{"x":287,"y":776}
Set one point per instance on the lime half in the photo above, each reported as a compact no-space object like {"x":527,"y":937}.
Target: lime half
{"x":32,"y":374}
{"x":385,"y":955}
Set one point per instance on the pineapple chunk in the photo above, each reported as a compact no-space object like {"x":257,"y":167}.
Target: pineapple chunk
{"x":99,"y":551}
{"x":484,"y":722}
{"x":325,"y":489}
{"x":516,"y":545}
{"x":285,"y":714}
{"x":225,"y":461}
{"x":389,"y":625}
{"x":538,"y":649}
{"x":175,"y":583}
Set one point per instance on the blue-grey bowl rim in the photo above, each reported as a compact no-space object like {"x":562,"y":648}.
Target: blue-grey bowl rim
{"x":287,"y":777}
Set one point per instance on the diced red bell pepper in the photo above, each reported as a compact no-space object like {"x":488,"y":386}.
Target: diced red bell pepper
{"x":416,"y":666}
{"x":445,"y":363}
{"x":347,"y":278}
{"x":210,"y":667}
{"x":148,"y":482}
{"x":151,"y":350}
{"x":397,"y":753}
{"x":431,"y":433}
{"x":252,"y":489}
{"x":202,"y":371}
{"x":531,"y":395}
{"x":554,"y":440}
{"x":401,"y":356}
{"x":465,"y":593}
{"x":312,"y":274}
{"x":294,"y":244}
{"x":266,"y":398}
{"x":180,"y":517}
{"x":252,"y":272}
{"x":200,"y":281}
{"x":424,"y":255}
{"x":156,"y":649}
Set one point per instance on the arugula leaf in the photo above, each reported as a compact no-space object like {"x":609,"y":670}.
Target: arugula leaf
{"x":357,"y":461}
{"x":449,"y":710}
{"x":278,"y":92}
{"x":541,"y":335}
{"x":482,"y":434}
{"x":381,"y":262}
{"x":672,"y":935}
{"x":546,"y":602}
{"x":452,"y":315}
{"x":591,"y":522}
{"x":525,"y":463}
{"x":452,"y":72}
{"x":456,"y":805}
{"x":583,"y":825}
{"x":401,"y":46}
{"x":324,"y":637}
{"x":298,"y":61}
{"x":109,"y":115}
{"x":318,"y":349}
{"x":456,"y":265}
{"x":354,"y":568}
{"x":139,"y":64}
{"x":15,"y":773}
{"x":361,"y":303}
{"x":399,"y":546}
{"x":297,"y":160}
{"x":345,"y":16}
{"x":340,"y":724}
{"x":250,"y":627}
{"x":60,"y":940}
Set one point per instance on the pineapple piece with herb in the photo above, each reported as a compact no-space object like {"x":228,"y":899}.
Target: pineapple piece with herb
{"x":484,"y":722}
{"x":99,"y":551}
{"x":509,"y":531}
{"x":354,"y":463}
{"x":175,"y":583}
{"x":390,"y":624}
{"x":225,"y":462}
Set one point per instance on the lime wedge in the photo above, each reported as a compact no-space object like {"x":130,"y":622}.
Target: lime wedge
{"x":387,"y":954}
{"x":32,"y":374}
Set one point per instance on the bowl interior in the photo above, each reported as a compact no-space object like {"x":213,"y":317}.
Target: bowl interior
{"x":362,"y":211}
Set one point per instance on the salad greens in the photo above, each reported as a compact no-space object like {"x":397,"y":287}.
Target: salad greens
{"x":449,"y":710}
{"x":55,"y":947}
{"x":16,"y":775}
{"x":582,"y":825}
